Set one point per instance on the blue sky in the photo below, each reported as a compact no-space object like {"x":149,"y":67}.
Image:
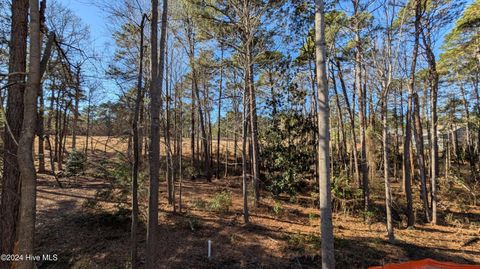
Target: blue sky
{"x":95,"y":18}
{"x":103,"y":43}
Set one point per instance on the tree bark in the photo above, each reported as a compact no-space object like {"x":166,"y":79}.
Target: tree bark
{"x":327,"y":253}
{"x":26,"y":223}
{"x":13,"y":124}
{"x":75,"y":109}
{"x":154,"y":149}
{"x":408,"y":131}
{"x":433,"y":81}
{"x":352,"y":123}
{"x":253,"y":125}
{"x":388,"y":191}
{"x":219,"y":114}
{"x":136,"y":150}
{"x":41,"y":108}
{"x":361,"y":110}
{"x":244,"y":157}
{"x":418,"y":134}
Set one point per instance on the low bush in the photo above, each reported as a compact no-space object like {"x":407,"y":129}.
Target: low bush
{"x":75,"y":164}
{"x":221,"y":202}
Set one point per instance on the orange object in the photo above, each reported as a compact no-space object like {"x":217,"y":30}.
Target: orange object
{"x":426,"y":264}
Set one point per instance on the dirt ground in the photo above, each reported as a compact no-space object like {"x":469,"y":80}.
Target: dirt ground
{"x":89,"y":230}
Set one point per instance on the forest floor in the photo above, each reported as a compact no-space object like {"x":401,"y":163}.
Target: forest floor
{"x":87,"y":227}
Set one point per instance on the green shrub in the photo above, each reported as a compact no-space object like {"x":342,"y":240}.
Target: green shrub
{"x":298,"y":241}
{"x":288,"y":150}
{"x":341,"y":189}
{"x":221,"y":202}
{"x":75,"y":163}
{"x":277,"y":208}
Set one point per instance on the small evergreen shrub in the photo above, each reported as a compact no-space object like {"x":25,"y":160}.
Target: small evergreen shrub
{"x":277,"y":208}
{"x":75,"y":163}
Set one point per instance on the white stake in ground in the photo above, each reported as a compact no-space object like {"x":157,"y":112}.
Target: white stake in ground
{"x":209,"y":249}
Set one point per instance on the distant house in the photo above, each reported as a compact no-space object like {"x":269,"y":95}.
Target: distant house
{"x":459,"y":133}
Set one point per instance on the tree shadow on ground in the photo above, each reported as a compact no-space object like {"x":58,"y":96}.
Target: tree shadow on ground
{"x":101,"y":239}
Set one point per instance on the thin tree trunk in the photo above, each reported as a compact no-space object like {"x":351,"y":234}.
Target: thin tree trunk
{"x":13,"y":124}
{"x":204,"y":138}
{"x":343,"y":145}
{"x":235,"y":127}
{"x":418,"y":134}
{"x":361,"y":109}
{"x":76,"y":111}
{"x":154,"y":149}
{"x":219,"y":114}
{"x":408,"y":131}
{"x":41,"y":109}
{"x":388,"y":192}
{"x":136,"y":151}
{"x":87,"y":135}
{"x":433,"y":80}
{"x":26,"y":223}
{"x":41,"y":132}
{"x":180,"y":152}
{"x":196,"y":95}
{"x":327,"y":253}
{"x":192,"y":127}
{"x":470,"y":152}
{"x":253,"y":127}
{"x":244,"y":157}
{"x":352,"y":123}
{"x":314,"y":114}
{"x":166,"y":134}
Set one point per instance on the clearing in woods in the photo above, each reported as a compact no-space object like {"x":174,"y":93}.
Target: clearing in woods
{"x":88,"y":227}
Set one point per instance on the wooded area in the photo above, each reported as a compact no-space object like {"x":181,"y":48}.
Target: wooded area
{"x":239,"y":133}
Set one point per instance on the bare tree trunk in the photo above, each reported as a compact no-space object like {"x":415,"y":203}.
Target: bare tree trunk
{"x":192,"y":128}
{"x":219,"y":114}
{"x":87,"y":135}
{"x":225,"y":175}
{"x":343,"y":145}
{"x":418,"y":134}
{"x":315,"y":115}
{"x":470,"y":151}
{"x":205,"y":144}
{"x":397,"y":142}
{"x":433,"y":80}
{"x":13,"y":124}
{"x":154,"y":154}
{"x":41,"y":109}
{"x":244,"y":156}
{"x":180,"y":152}
{"x":75,"y":110}
{"x":136,"y":150}
{"x":235,"y":127}
{"x":361,"y":109}
{"x":41,"y":132}
{"x":388,"y":191}
{"x":477,"y":97}
{"x":352,"y":123}
{"x":26,"y":223}
{"x":253,"y":126}
{"x":408,"y":131}
{"x":166,"y":134}
{"x":196,"y":95}
{"x":327,"y":253}
{"x":63,"y":135}
{"x":57,"y":124}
